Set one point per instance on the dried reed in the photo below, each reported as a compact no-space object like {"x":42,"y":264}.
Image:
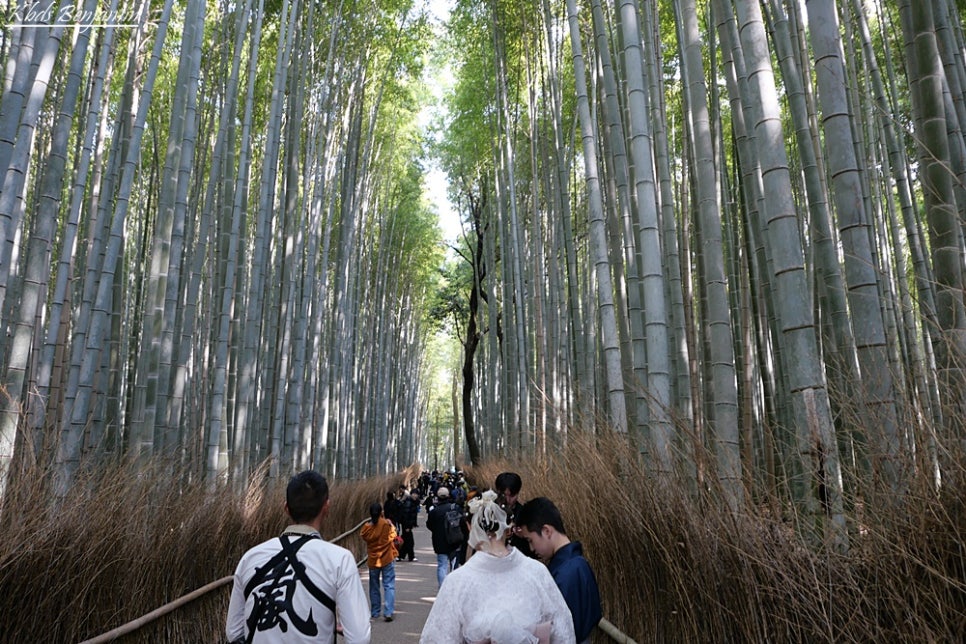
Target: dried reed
{"x":674,"y":565}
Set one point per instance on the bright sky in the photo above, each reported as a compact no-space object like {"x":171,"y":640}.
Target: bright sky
{"x":449,"y":221}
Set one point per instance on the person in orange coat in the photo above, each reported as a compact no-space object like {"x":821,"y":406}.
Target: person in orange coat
{"x":380,"y":537}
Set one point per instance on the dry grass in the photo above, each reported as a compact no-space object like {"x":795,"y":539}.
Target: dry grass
{"x":125,"y":543}
{"x":672,"y":567}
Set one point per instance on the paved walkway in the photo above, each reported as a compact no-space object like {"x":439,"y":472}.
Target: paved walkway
{"x":415,"y":593}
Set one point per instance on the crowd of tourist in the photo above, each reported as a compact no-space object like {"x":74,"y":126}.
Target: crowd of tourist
{"x":506,"y":570}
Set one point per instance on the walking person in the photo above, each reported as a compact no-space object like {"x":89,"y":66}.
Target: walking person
{"x":392,"y":510}
{"x":380,"y":537}
{"x":409,"y":512}
{"x":286,"y":589}
{"x":499,"y":595}
{"x":542,"y":526}
{"x":508,"y":486}
{"x":445,"y":522}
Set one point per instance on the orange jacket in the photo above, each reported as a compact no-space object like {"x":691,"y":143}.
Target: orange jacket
{"x":379,"y":538}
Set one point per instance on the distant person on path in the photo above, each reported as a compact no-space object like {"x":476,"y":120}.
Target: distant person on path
{"x":410,"y":513}
{"x":499,"y":596}
{"x":508,"y":486}
{"x":286,"y":589}
{"x":542,"y":526}
{"x":392,"y":510}
{"x":380,"y":537}
{"x":447,"y":536}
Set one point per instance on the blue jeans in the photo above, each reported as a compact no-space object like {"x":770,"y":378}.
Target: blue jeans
{"x":444,"y":565}
{"x":388,"y":574}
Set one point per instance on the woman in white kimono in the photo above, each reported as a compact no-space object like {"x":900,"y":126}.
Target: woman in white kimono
{"x":499,"y":596}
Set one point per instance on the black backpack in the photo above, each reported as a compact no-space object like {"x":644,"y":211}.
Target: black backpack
{"x":453,"y":525}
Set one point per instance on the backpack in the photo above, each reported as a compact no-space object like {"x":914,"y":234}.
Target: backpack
{"x":453,"y":525}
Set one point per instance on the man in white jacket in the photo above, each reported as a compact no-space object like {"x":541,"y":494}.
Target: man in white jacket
{"x":287,"y":589}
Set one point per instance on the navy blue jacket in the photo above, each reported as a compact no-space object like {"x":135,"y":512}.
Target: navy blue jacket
{"x":577,"y":584}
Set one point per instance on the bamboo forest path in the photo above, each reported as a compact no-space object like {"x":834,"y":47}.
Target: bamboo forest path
{"x":415,"y":593}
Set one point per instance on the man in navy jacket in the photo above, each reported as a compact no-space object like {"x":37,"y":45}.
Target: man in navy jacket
{"x":542,"y":526}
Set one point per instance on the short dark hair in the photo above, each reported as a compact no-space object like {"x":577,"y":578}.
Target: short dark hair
{"x":306,"y":495}
{"x":508,"y":481}
{"x":539,"y":512}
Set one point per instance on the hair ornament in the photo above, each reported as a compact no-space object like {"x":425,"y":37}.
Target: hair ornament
{"x":489,"y":519}
{"x":487,"y":497}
